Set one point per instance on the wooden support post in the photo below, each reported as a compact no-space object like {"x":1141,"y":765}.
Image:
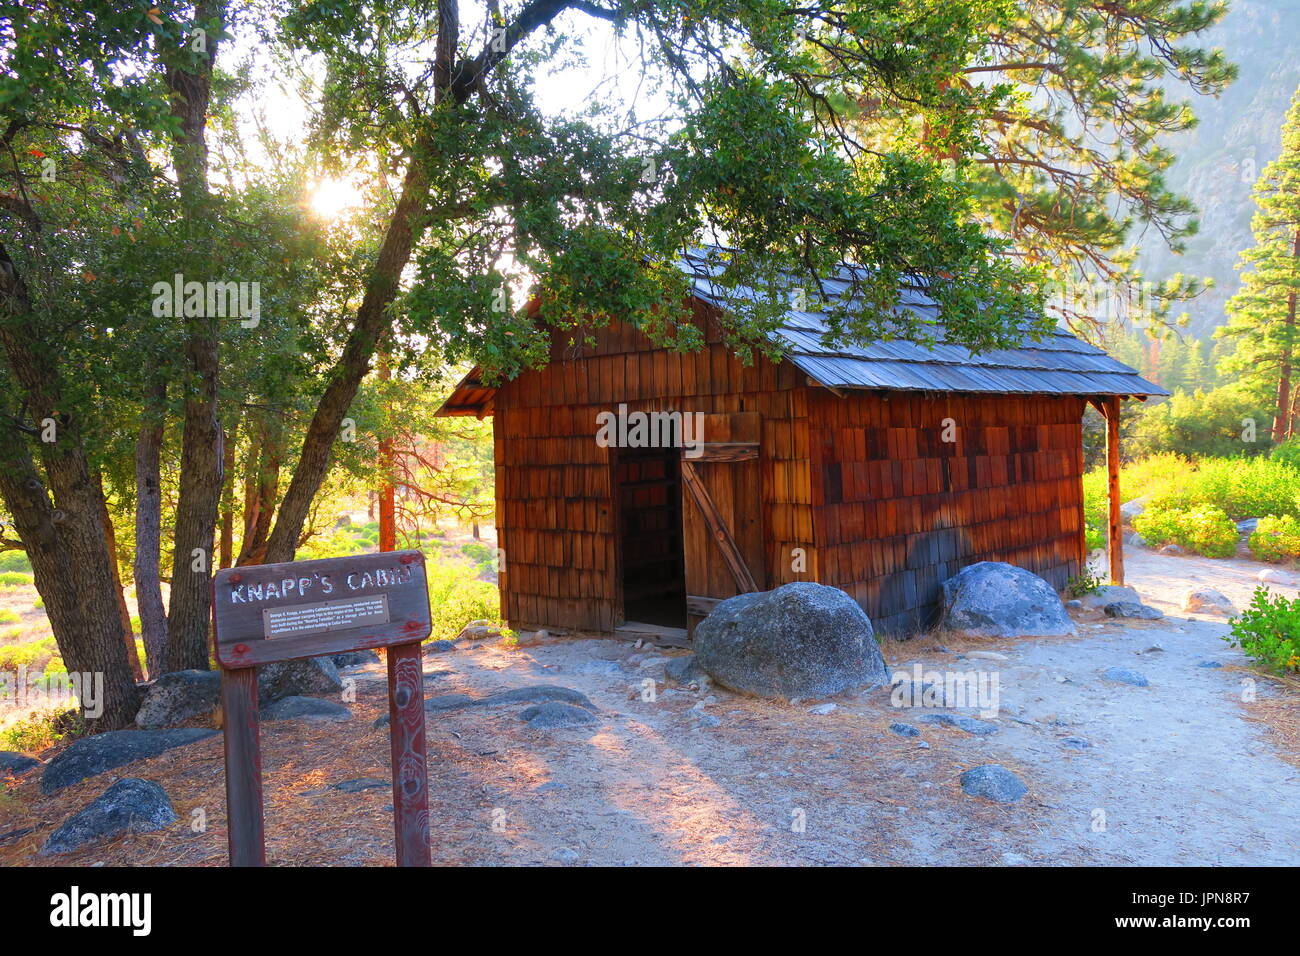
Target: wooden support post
{"x":410,"y":766}
{"x":1115,"y":535}
{"x":244,"y":824}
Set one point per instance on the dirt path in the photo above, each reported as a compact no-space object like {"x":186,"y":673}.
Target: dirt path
{"x":1181,"y":772}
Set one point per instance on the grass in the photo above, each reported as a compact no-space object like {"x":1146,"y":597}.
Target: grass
{"x":9,"y":617}
{"x":16,"y":579}
{"x":15,"y":561}
{"x":456,"y":597}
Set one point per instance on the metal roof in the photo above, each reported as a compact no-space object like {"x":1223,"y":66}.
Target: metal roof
{"x":1059,"y":364}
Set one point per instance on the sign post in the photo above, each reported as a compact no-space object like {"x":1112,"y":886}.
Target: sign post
{"x":281,"y":612}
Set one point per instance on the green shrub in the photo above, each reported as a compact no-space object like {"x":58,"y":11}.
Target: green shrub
{"x":15,"y":561}
{"x":457,"y":598}
{"x":1094,"y":537}
{"x":478,"y":552}
{"x":1269,"y":631}
{"x":1205,"y":530}
{"x":9,"y":617}
{"x":15,"y":579}
{"x":29,"y":655}
{"x":1276,"y":539}
{"x":42,"y":730}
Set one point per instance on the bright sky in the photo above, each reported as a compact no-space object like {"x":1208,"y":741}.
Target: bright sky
{"x":596,"y":66}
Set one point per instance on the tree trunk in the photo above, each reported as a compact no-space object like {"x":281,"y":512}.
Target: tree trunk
{"x":190,"y":608}
{"x":1284,"y":424}
{"x":262,"y":489}
{"x":148,"y":529}
{"x":372,"y":320}
{"x":228,"y":501}
{"x":62,"y":528}
{"x":124,"y":612}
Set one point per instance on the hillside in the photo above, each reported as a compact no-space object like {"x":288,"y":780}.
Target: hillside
{"x":1238,"y":135}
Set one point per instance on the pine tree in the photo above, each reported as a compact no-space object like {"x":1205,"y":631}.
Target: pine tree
{"x":1076,"y":155}
{"x":1263,"y":313}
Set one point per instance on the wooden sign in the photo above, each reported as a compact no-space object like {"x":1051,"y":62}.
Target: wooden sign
{"x":281,"y":612}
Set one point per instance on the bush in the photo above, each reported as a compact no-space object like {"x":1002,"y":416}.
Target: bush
{"x":1206,"y":530}
{"x":9,"y":617}
{"x":457,"y":597}
{"x":41,"y":731}
{"x":1269,"y":631}
{"x":1201,"y":424}
{"x":15,"y":579}
{"x":15,"y":561}
{"x":1276,"y":539}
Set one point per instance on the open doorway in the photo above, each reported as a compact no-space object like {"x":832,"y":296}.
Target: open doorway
{"x":650,"y":534}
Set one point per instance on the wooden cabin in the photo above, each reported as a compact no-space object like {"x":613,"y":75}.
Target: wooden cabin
{"x":881,"y":470}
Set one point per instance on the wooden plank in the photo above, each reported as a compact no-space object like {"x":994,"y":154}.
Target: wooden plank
{"x":718,"y":528}
{"x":726,"y":451}
{"x":701,"y":606}
{"x":410,"y":770}
{"x":1115,"y":538}
{"x":245,"y":828}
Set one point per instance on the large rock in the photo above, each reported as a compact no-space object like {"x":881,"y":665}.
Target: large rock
{"x":992,"y":599}
{"x":12,"y":763}
{"x":128,"y":806}
{"x":305,"y":708}
{"x":90,"y":756}
{"x":555,"y":714}
{"x":305,"y":678}
{"x":1109,"y":594}
{"x":177,"y":697}
{"x":800,"y":640}
{"x":1208,"y":601}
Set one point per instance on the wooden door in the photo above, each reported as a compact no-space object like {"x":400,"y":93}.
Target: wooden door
{"x":722,"y":512}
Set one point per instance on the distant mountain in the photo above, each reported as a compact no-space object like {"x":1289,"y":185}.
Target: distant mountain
{"x":1238,"y":135}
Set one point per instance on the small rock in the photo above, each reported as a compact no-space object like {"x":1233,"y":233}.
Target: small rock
{"x":1075,"y":743}
{"x":565,"y":855}
{"x":993,"y":782}
{"x":980,"y":728}
{"x":440,"y":646}
{"x":1274,"y":576}
{"x":602,"y":668}
{"x":1204,"y":600}
{"x":1125,"y":675}
{"x":1110,"y":594}
{"x":1209,"y":664}
{"x":683,"y":669}
{"x":1135,"y":540}
{"x":704,"y":719}
{"x":1172,"y":550}
{"x":16,"y":764}
{"x":1074,"y":604}
{"x":987,"y":656}
{"x":354,"y":658}
{"x":129,"y":806}
{"x":1141,"y":612}
{"x":905,"y":730}
{"x":821,"y":709}
{"x":555,"y":714}
{"x":440,"y":702}
{"x":537,"y":694}
{"x":1131,"y":509}
{"x":358,"y":784}
{"x":305,"y":708}
{"x":479,"y":631}
{"x":650,"y":662}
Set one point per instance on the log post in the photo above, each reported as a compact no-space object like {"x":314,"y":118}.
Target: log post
{"x":244,"y":822}
{"x":1115,"y":537}
{"x":410,"y":768}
